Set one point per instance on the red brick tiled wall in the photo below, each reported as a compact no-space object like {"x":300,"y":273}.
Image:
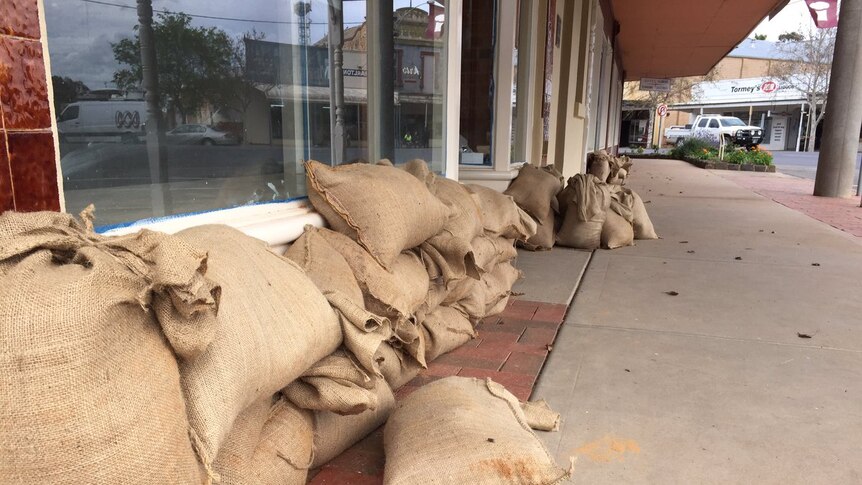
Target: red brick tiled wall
{"x":28,"y":170}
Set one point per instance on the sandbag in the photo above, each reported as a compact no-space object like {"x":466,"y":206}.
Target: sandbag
{"x":334,"y":433}
{"x":447,"y":330}
{"x":271,"y":443}
{"x":619,"y":170}
{"x":484,"y":438}
{"x":397,"y":367}
{"x":599,"y":164}
{"x":501,"y":216}
{"x":327,"y":268}
{"x":643,"y":227}
{"x":90,"y":385}
{"x":420,"y":169}
{"x":394,"y":294}
{"x":498,"y":287}
{"x":273,"y":325}
{"x":535,"y":190}
{"x":336,"y":383}
{"x":616,"y":231}
{"x":488,"y":251}
{"x":585,"y":215}
{"x":466,"y":220}
{"x":545,"y":235}
{"x":385,"y":209}
{"x":449,"y":258}
{"x":540,"y":416}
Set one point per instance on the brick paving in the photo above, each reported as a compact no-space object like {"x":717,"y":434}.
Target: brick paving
{"x":795,"y":193}
{"x":511,"y":349}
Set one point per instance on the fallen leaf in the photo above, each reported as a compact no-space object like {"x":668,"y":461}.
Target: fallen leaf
{"x":491,"y":440}
{"x":683,"y":242}
{"x":690,"y":251}
{"x":671,"y":293}
{"x":627,"y":370}
{"x":815,"y":264}
{"x":802,"y":335}
{"x":738,"y":258}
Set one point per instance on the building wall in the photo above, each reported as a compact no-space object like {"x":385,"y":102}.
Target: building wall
{"x":28,"y":167}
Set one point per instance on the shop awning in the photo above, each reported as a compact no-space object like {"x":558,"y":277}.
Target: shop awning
{"x":676,"y":38}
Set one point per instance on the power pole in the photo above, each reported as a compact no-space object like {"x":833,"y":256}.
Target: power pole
{"x":836,"y":165}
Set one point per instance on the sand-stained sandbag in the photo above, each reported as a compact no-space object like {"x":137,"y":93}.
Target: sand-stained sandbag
{"x":336,"y":383}
{"x":270,"y":443}
{"x":452,"y":258}
{"x":447,"y":330}
{"x":385,"y":209}
{"x":498,"y":287}
{"x":585,"y":215}
{"x":327,"y":268}
{"x":397,"y":367}
{"x":273,"y":325}
{"x":90,"y":386}
{"x":620,"y":167}
{"x":641,"y":222}
{"x":420,"y":169}
{"x":501,"y":216}
{"x":488,"y":251}
{"x":540,"y":416}
{"x":394,"y":294}
{"x":599,"y":164}
{"x":466,"y":220}
{"x":616,"y":231}
{"x":545,"y":235}
{"x":535,"y":190}
{"x":334,"y":433}
{"x":484,"y":438}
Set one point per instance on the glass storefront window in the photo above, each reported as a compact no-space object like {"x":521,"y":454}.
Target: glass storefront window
{"x":477,"y":81}
{"x":244,"y":93}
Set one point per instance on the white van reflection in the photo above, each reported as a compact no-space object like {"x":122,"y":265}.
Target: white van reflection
{"x":103,"y":121}
{"x":200,"y":134}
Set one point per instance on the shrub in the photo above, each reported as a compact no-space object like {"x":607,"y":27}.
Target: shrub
{"x":760,"y":156}
{"x":736,"y":156}
{"x":692,"y":148}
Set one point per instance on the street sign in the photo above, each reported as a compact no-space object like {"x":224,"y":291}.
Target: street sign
{"x":655,"y":84}
{"x":661,"y":110}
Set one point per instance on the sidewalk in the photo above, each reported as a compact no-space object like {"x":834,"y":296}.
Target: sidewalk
{"x":714,"y":384}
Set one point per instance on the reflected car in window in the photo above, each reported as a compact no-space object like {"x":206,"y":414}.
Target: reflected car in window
{"x":200,"y":134}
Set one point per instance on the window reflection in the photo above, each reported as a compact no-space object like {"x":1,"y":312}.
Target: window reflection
{"x":245,"y":94}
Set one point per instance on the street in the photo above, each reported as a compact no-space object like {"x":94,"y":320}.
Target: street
{"x":804,"y":164}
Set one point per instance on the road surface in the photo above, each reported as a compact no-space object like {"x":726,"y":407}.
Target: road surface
{"x":803,"y":164}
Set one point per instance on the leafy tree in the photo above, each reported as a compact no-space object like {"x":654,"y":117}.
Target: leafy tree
{"x":193,"y":62}
{"x":808,"y":69}
{"x":759,"y":36}
{"x":791,"y":37}
{"x":66,"y":90}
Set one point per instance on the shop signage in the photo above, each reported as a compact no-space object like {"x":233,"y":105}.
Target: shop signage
{"x":744,"y":90}
{"x":355,"y":72}
{"x":661,"y":110}
{"x":655,"y":84}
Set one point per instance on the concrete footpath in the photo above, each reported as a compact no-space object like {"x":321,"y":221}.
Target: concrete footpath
{"x":730,"y":351}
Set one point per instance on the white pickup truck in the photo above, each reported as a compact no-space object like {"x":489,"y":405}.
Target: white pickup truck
{"x":730,"y":128}
{"x":674,"y":134}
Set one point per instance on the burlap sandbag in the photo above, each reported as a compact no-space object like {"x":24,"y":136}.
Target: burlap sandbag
{"x":620,"y":167}
{"x":599,"y":164}
{"x":273,"y":325}
{"x":420,"y":169}
{"x":394,"y":294}
{"x":643,"y":226}
{"x":90,"y":386}
{"x":617,"y":230}
{"x":535,"y":190}
{"x":334,"y":433}
{"x":271,"y":443}
{"x":385,"y":209}
{"x":466,"y":220}
{"x":327,"y":268}
{"x":545,"y":235}
{"x":336,"y":383}
{"x":585,"y":215}
{"x":397,"y":367}
{"x":540,"y":416}
{"x":452,"y":258}
{"x":501,"y":216}
{"x":489,"y":251}
{"x":498,"y":287}
{"x":447,"y":330}
{"x":484,"y":438}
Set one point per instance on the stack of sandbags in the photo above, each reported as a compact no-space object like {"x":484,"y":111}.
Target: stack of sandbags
{"x":483,"y":436}
{"x":89,"y":327}
{"x":535,"y":191}
{"x":597,"y":211}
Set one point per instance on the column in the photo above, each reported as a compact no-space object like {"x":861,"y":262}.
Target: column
{"x":381,"y":81}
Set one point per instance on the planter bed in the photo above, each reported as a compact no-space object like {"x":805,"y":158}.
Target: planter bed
{"x":708,"y":164}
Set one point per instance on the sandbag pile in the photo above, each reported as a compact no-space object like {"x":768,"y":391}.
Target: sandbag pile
{"x":204,"y":357}
{"x":593,"y":209}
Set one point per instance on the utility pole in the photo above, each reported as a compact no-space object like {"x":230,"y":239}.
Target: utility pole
{"x":837,"y":162}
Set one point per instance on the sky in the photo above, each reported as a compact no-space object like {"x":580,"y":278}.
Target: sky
{"x":792,"y":18}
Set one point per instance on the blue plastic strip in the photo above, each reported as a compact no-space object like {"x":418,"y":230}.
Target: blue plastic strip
{"x":109,"y":227}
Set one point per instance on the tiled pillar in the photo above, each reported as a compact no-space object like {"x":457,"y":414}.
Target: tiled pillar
{"x":28,"y":169}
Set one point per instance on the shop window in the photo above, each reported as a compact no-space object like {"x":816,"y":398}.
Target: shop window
{"x":477,"y":81}
{"x":244,"y":97}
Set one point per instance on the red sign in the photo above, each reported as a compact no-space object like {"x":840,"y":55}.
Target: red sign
{"x":824,"y":13}
{"x":769,"y":87}
{"x":662,"y":110}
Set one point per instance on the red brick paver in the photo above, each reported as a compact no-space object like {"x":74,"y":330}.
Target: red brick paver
{"x":795,"y":193}
{"x":510,"y":348}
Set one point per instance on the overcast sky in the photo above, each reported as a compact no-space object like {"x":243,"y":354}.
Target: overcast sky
{"x":80,"y":32}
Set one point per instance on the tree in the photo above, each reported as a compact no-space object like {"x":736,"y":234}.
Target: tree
{"x":791,"y":37}
{"x":807,"y":70}
{"x":193,"y":62}
{"x":759,"y":36}
{"x":66,"y":90}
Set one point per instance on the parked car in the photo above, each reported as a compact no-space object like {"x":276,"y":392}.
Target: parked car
{"x":103,"y":121}
{"x":674,"y":134}
{"x":200,"y":134}
{"x":728,"y":128}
